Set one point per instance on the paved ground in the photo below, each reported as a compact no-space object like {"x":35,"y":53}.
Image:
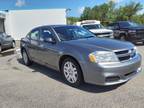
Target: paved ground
{"x":40,"y":87}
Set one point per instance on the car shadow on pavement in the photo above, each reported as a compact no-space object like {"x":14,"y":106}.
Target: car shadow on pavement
{"x":7,"y":53}
{"x":58,"y":77}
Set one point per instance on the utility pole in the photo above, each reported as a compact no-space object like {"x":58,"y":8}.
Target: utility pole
{"x":67,"y":11}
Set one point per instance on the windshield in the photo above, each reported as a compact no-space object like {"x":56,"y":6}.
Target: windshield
{"x":94,"y":26}
{"x":72,"y":33}
{"x":128,"y":24}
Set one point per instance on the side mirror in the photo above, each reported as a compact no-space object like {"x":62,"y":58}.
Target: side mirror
{"x":50,"y":40}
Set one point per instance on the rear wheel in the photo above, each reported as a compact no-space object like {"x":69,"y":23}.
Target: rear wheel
{"x":72,"y":72}
{"x":0,"y":48}
{"x":13,"y":44}
{"x":25,"y":58}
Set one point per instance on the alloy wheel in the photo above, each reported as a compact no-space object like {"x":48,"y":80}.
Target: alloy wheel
{"x":25,"y":57}
{"x":0,"y":48}
{"x":13,"y":45}
{"x":70,"y":72}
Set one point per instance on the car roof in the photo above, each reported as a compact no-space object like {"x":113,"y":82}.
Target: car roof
{"x":54,"y":26}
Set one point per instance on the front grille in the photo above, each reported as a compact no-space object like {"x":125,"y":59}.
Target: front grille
{"x":121,"y":52}
{"x":107,"y":33}
{"x":125,"y":55}
{"x":140,"y":33}
{"x":124,"y":58}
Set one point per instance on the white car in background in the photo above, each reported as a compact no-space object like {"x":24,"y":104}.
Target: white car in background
{"x":96,"y":28}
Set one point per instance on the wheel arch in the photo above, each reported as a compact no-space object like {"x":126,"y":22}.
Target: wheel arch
{"x":122,"y":34}
{"x":63,"y":57}
{"x":14,"y":41}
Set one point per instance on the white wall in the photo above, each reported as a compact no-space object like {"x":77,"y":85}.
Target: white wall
{"x":19,"y":22}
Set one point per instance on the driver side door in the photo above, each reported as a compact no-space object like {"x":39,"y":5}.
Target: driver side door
{"x":49,"y":51}
{"x":33,"y":44}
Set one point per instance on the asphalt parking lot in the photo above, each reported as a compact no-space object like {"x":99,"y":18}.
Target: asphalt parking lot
{"x":39,"y":87}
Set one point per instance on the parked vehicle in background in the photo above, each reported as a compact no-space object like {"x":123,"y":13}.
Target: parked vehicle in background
{"x":127,"y":30}
{"x":80,"y":55}
{"x":6,"y":42}
{"x":96,"y":28}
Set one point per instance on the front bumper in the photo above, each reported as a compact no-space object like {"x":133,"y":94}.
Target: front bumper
{"x":111,"y":74}
{"x":136,"y":38}
{"x":105,"y":35}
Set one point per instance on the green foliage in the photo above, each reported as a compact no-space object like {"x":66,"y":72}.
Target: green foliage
{"x":108,"y":12}
{"x":139,"y":19}
{"x":86,"y":14}
{"x":128,"y":11}
{"x":102,"y":12}
{"x":72,"y":20}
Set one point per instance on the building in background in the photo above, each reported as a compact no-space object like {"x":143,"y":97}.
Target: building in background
{"x":2,"y":18}
{"x":18,"y":23}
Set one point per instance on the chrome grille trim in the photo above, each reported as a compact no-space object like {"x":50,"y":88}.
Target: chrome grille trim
{"x":124,"y":55}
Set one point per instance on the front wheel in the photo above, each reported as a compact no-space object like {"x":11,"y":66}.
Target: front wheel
{"x":122,"y":38}
{"x":25,"y":58}
{"x":72,"y":72}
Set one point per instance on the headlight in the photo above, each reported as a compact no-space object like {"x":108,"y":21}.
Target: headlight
{"x":103,"y":57}
{"x":135,"y":50}
{"x":132,"y":31}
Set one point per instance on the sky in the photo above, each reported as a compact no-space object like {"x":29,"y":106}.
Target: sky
{"x":76,"y":6}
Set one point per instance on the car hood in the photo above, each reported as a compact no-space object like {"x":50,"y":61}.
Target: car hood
{"x":101,"y":31}
{"x":95,"y":44}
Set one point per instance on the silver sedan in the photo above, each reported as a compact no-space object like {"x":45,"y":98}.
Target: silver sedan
{"x":80,"y":56}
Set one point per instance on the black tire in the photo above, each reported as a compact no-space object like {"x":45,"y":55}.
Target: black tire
{"x":143,"y":43}
{"x":79,"y":80}
{"x":25,"y":58}
{"x":123,"y":38}
{"x":116,"y":37}
{"x":0,"y":48}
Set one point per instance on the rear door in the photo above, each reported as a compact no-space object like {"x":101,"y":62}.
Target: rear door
{"x":34,"y":43}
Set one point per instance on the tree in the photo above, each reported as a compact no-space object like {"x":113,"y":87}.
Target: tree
{"x":102,"y":12}
{"x":139,"y":18}
{"x":128,"y":11}
{"x":86,"y":14}
{"x":72,"y":20}
{"x":108,"y":12}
